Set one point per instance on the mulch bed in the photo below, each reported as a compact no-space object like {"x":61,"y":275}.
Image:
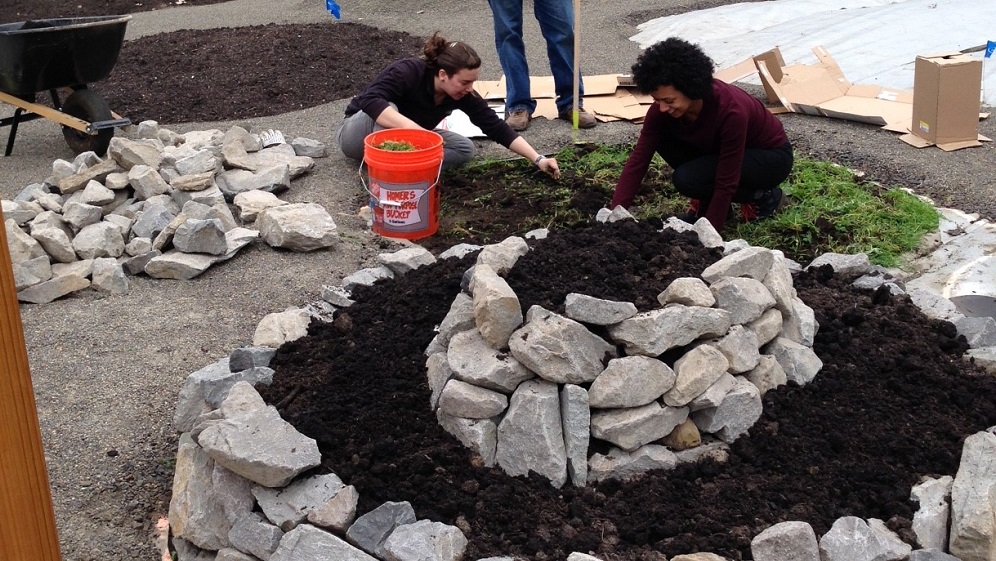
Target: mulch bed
{"x":892,"y":403}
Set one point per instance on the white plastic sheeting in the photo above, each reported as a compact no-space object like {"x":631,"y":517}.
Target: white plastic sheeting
{"x":873,"y":41}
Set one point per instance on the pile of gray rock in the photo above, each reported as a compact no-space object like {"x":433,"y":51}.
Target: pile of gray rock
{"x":530,"y":396}
{"x":160,"y":204}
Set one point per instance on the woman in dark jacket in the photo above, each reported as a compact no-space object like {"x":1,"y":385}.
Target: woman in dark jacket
{"x":722,"y":143}
{"x":419,"y":93}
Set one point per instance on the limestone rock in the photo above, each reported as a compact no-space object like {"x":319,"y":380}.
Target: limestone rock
{"x":298,"y":227}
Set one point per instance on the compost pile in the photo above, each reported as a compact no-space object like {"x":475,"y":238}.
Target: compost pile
{"x":893,"y":403}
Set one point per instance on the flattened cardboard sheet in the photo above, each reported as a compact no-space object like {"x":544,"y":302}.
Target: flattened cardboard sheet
{"x":822,"y":89}
{"x":603,"y":96}
{"x":621,"y":105}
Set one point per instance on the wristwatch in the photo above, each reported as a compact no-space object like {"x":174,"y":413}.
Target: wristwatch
{"x":537,"y":160}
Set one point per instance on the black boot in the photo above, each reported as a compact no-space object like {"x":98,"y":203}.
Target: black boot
{"x":768,"y":202}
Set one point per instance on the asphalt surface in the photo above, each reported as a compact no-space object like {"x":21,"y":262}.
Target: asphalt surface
{"x":107,"y":370}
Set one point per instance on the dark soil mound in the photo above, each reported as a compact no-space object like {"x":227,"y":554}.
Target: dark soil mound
{"x":237,"y":73}
{"x":893,"y":402}
{"x":21,"y":10}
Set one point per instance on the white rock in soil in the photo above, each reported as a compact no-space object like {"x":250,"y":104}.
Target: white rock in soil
{"x":745,"y":298}
{"x":501,"y":257}
{"x":630,"y":381}
{"x":799,"y":362}
{"x":530,"y":436}
{"x":786,"y":541}
{"x":261,"y":447}
{"x":338,"y":512}
{"x":852,"y":538}
{"x":973,"y":504}
{"x":843,"y":263}
{"x":597,"y":311}
{"x":277,"y":328}
{"x":689,"y":291}
{"x":308,"y":543}
{"x":425,"y":539}
{"x":752,"y":262}
{"x":497,"y":312}
{"x":930,"y":521}
{"x":480,"y":435}
{"x":298,"y":227}
{"x":622,"y":465}
{"x":575,"y":414}
{"x":289,"y":506}
{"x":558,"y":349}
{"x":407,"y":259}
{"x":371,"y":530}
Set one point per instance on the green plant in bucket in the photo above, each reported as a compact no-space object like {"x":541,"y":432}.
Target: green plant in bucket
{"x":396,"y":146}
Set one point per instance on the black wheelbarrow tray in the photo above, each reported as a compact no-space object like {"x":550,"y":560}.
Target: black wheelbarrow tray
{"x":52,"y":54}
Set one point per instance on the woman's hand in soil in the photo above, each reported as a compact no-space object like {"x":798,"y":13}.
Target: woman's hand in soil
{"x":550,"y":167}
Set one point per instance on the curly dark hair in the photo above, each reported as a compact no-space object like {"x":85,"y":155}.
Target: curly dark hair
{"x":674,"y":62}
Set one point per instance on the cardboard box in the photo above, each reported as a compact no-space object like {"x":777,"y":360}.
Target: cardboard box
{"x":946,"y":104}
{"x":821,"y":89}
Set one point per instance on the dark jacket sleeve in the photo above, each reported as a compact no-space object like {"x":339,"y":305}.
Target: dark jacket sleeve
{"x":396,"y":82}
{"x":487,"y":120}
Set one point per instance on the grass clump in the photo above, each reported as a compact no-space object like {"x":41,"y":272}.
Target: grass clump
{"x":396,"y":146}
{"x":828,"y":209}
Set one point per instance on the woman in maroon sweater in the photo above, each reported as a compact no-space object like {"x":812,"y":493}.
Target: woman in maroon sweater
{"x":418,"y":93}
{"x":722,"y":143}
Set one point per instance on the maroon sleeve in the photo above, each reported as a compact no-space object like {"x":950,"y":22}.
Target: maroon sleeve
{"x":636,"y":166}
{"x":732,"y":145}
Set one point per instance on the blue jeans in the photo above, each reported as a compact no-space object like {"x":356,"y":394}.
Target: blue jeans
{"x":556,"y":21}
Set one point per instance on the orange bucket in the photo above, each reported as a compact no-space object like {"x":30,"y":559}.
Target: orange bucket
{"x":403,"y":194}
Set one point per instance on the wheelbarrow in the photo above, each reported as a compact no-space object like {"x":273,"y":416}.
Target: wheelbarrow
{"x":58,"y":54}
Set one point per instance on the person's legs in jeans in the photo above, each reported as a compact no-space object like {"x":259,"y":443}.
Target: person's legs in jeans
{"x":512,"y":54}
{"x":352,"y":132}
{"x":556,"y":22}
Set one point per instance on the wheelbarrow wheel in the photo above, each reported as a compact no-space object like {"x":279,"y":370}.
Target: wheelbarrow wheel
{"x":89,"y":106}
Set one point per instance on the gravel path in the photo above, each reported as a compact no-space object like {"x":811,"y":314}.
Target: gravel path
{"x":107,"y":370}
